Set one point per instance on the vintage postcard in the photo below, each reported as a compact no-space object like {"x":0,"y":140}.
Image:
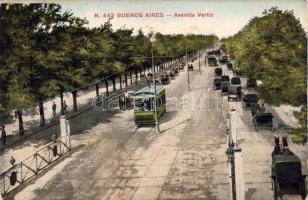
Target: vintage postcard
{"x":153,"y":99}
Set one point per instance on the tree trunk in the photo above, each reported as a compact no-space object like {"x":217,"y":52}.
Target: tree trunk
{"x":125,"y":79}
{"x":120,"y":79}
{"x":61,"y":99}
{"x":131,"y":77}
{"x":42,"y":116}
{"x":75,"y":106}
{"x":20,"y":123}
{"x":114,"y":84}
{"x":107,"y":87}
{"x":136,"y":77}
{"x":97,"y":89}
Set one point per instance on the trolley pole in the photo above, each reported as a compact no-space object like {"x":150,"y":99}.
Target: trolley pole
{"x":154,"y":82}
{"x":187,"y":69}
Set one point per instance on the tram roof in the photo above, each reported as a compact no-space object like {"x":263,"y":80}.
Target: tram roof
{"x":149,"y":90}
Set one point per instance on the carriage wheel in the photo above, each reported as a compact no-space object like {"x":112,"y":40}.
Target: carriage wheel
{"x":303,"y":189}
{"x":275,"y":192}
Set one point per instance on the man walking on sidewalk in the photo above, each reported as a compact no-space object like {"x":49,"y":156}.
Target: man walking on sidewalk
{"x":54,"y":108}
{"x":3,"y":135}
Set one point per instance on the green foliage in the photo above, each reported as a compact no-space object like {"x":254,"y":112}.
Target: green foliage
{"x":272,"y":48}
{"x":45,"y":51}
{"x":300,"y":133}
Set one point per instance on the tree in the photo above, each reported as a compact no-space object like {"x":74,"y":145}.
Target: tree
{"x":272,"y":48}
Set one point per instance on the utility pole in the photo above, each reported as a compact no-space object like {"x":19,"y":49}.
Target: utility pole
{"x":187,"y":69}
{"x":154,"y":82}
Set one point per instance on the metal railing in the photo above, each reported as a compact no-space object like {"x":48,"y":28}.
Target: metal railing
{"x":28,"y":168}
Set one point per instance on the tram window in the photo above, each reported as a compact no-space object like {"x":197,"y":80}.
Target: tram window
{"x":139,"y":105}
{"x":149,"y":104}
{"x":144,"y":104}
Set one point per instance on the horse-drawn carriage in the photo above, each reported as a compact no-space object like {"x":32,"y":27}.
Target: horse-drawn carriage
{"x":176,"y":70}
{"x":217,"y":83}
{"x":212,"y":61}
{"x":218,"y":71}
{"x":235,"y":80}
{"x":251,"y":83}
{"x":165,"y":79}
{"x":223,"y":59}
{"x":190,"y":67}
{"x":225,"y":78}
{"x":215,"y":52}
{"x":250,"y":100}
{"x":263,"y":119}
{"x":224,"y":87}
{"x":229,"y":66}
{"x":234,"y":92}
{"x":287,"y":177}
{"x":182,"y":65}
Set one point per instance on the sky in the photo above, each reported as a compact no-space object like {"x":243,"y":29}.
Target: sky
{"x":222,"y":17}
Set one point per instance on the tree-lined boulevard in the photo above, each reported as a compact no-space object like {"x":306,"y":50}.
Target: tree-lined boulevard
{"x":48,"y":55}
{"x":47,"y":52}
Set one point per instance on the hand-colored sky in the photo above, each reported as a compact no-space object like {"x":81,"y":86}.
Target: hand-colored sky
{"x":229,"y":15}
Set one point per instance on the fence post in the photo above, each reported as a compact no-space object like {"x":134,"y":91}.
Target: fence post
{"x":68,"y":134}
{"x":62,"y":126}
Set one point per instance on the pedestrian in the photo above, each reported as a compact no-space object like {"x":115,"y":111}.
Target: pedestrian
{"x":64,"y":107}
{"x":125,"y":99}
{"x":3,"y":135}
{"x":54,"y":108}
{"x":262,"y":108}
{"x":121,"y":103}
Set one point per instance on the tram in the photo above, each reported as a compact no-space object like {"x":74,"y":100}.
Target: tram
{"x":144,"y":105}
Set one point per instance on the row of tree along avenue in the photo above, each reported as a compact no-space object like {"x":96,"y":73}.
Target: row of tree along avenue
{"x":45,"y":52}
{"x":272,"y":49}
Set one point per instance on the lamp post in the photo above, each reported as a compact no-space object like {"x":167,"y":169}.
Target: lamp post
{"x":154,"y":82}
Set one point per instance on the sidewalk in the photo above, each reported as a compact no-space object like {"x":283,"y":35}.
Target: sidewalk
{"x":84,"y":101}
{"x":256,"y":148}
